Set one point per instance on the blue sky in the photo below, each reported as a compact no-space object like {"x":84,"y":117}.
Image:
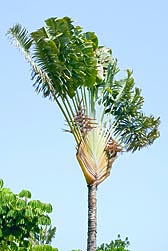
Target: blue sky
{"x":36,"y":154}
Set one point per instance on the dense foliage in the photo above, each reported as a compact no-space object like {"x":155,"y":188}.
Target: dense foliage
{"x":43,"y":248}
{"x":69,"y":66}
{"x":117,"y":245}
{"x":22,"y":221}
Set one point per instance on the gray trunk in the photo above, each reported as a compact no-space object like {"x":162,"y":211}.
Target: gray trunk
{"x":92,"y":220}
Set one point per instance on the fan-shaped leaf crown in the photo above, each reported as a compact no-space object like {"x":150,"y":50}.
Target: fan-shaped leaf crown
{"x":104,"y":113}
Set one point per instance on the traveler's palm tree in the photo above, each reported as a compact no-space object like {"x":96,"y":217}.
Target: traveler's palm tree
{"x":103,"y":113}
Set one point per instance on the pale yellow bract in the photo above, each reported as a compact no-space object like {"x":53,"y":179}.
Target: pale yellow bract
{"x":93,"y":158}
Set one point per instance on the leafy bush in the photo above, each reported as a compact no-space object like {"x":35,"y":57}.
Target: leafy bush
{"x":44,"y":248}
{"x":117,"y":245}
{"x":23,"y":221}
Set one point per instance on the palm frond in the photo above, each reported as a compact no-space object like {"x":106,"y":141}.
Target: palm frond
{"x":61,"y":30}
{"x":64,"y":53}
{"x":20,"y":37}
{"x":141,"y":133}
{"x":45,"y":54}
{"x":124,"y":102}
{"x":50,"y":234}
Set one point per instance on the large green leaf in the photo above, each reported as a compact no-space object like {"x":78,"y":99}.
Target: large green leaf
{"x":124,"y":102}
{"x":66,"y":55}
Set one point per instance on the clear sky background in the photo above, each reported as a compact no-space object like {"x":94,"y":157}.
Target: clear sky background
{"x":36,"y":154}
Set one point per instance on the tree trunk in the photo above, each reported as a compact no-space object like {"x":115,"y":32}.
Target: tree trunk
{"x":92,"y":219}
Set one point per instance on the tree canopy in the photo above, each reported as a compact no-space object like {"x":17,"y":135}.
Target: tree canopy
{"x":22,"y":221}
{"x":116,"y":245}
{"x":104,"y":112}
